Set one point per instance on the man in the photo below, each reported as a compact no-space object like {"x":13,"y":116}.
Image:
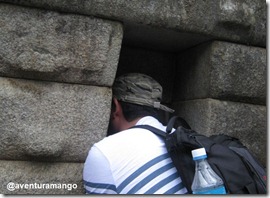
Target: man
{"x":132,"y":161}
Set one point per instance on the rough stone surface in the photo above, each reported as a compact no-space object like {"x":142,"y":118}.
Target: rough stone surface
{"x":237,"y":21}
{"x":51,"y":121}
{"x":46,"y":45}
{"x":244,"y":121}
{"x":224,"y":71}
{"x":29,"y":173}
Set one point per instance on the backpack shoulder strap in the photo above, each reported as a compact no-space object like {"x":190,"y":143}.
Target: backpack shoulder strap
{"x":152,"y":129}
{"x":176,"y":121}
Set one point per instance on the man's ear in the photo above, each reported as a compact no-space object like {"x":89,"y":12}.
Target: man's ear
{"x":118,"y":108}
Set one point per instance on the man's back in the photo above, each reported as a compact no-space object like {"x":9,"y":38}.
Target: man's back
{"x":133,"y":161}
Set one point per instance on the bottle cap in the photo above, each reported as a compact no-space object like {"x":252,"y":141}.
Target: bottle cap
{"x":199,"y":154}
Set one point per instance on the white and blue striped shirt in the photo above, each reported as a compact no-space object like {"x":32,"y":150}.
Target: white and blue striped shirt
{"x":134,"y":161}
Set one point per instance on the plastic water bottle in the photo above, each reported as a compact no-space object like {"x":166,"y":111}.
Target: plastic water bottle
{"x":205,"y":181}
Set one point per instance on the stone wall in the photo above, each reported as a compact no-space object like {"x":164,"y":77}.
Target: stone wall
{"x":58,"y":60}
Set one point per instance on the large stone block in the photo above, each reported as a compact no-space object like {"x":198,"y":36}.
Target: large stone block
{"x":28,"y":177}
{"x":237,"y":21}
{"x":244,"y":121}
{"x":224,"y":71}
{"x":51,"y":121}
{"x":46,"y":45}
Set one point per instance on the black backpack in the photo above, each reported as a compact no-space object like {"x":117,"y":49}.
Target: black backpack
{"x":228,"y":157}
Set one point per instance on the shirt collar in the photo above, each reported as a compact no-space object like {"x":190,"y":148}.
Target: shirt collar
{"x":149,"y":120}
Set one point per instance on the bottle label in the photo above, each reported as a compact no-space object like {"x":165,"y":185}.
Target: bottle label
{"x":219,"y":190}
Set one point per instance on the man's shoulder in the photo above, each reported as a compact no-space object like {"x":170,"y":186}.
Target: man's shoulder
{"x":132,"y":137}
{"x":122,"y":136}
{"x":128,"y":139}
{"x":149,"y":120}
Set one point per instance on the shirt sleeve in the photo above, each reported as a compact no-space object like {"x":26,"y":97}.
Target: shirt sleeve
{"x":97,"y":175}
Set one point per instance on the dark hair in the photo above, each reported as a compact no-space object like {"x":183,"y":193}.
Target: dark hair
{"x":133,"y":111}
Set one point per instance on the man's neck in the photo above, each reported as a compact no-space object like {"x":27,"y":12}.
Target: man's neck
{"x":132,"y":123}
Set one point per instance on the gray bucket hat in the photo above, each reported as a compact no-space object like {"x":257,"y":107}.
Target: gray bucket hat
{"x":139,"y":89}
